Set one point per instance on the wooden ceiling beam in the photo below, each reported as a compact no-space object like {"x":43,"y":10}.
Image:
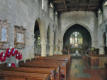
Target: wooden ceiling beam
{"x":85,"y":5}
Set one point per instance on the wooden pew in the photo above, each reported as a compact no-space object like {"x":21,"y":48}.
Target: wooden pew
{"x":13,"y":75}
{"x":62,"y":63}
{"x":37,"y":66}
{"x":44,"y":66}
{"x":50,"y":71}
{"x":58,"y":58}
{"x":63,"y":68}
{"x":65,"y":58}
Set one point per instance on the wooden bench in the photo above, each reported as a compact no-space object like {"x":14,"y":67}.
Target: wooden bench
{"x":13,"y":75}
{"x":50,"y":71}
{"x":62,"y":64}
{"x":58,"y":58}
{"x":96,"y":61}
{"x":55,"y":67}
{"x":57,"y":75}
{"x":63,"y":61}
{"x":66,"y":58}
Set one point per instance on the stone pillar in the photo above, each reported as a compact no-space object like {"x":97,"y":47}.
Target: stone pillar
{"x":61,"y":47}
{"x":51,"y":50}
{"x":51,"y":42}
{"x":100,"y":31}
{"x":43,"y":48}
{"x":51,"y":13}
{"x":101,"y":50}
{"x":104,"y":12}
{"x":100,"y":41}
{"x":56,"y":42}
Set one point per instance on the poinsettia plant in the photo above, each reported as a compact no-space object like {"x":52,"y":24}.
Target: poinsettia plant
{"x":10,"y":53}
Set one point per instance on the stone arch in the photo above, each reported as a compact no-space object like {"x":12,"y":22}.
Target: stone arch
{"x":70,"y":25}
{"x":82,"y":24}
{"x":101,"y":30}
{"x":77,"y":27}
{"x":42,"y":28}
{"x":37,"y":41}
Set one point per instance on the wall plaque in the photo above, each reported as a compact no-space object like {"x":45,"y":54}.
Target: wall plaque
{"x":19,"y":40}
{"x":4,"y":34}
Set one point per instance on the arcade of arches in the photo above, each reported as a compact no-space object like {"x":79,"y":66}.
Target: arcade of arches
{"x":47,"y":28}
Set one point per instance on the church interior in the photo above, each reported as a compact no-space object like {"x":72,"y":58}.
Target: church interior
{"x":53,"y":39}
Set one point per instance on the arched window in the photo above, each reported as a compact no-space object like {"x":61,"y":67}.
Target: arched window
{"x":76,"y":39}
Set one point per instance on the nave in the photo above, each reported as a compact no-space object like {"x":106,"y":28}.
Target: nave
{"x":40,"y":68}
{"x":58,"y":67}
{"x":41,"y":39}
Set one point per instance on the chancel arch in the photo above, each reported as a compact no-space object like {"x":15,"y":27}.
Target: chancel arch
{"x":77,"y":37}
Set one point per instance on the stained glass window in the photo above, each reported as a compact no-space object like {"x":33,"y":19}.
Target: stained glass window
{"x":76,"y":39}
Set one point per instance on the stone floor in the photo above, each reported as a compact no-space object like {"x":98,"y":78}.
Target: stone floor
{"x":79,"y":71}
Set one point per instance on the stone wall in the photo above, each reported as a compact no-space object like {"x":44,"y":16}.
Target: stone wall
{"x":25,"y":13}
{"x":84,"y":18}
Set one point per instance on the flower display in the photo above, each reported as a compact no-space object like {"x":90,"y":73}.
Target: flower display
{"x":10,"y":53}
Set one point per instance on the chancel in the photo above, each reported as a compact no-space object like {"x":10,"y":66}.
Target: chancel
{"x":53,"y":39}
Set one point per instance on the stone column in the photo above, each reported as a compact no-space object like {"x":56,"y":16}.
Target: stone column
{"x":100,"y":31}
{"x":43,"y":48}
{"x":101,"y":46}
{"x":51,"y":13}
{"x":51,"y":50}
{"x":100,"y":41}
{"x":61,"y":47}
{"x":56,"y":42}
{"x":51,"y":42}
{"x":101,"y":50}
{"x":104,"y":12}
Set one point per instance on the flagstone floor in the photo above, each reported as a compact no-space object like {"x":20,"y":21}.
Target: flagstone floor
{"x":79,"y":71}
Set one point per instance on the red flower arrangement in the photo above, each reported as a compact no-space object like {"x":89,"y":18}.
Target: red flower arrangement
{"x":8,"y":53}
{"x":13,"y":65}
{"x":2,"y":57}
